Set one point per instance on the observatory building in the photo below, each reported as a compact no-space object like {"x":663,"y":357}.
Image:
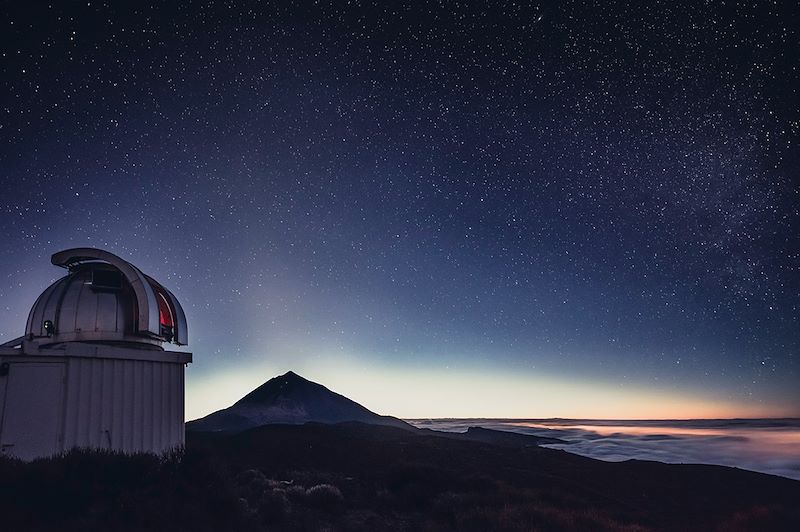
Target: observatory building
{"x":91,"y":370}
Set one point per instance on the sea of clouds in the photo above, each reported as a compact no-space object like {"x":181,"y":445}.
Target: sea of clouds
{"x":765,"y":445}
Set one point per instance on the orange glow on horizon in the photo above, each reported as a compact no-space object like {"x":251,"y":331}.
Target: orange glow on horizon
{"x":776,"y":442}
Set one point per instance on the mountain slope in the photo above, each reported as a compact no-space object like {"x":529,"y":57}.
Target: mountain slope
{"x":425,"y":480}
{"x":291,"y":399}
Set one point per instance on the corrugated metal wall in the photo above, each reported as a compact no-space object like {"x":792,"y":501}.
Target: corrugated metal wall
{"x":123,"y":405}
{"x":30,"y":408}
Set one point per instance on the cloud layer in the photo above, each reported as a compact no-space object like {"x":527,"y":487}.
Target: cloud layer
{"x":768,"y":446}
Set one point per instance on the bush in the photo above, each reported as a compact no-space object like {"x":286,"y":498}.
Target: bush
{"x":324,"y":497}
{"x":274,"y":506}
{"x":102,"y":490}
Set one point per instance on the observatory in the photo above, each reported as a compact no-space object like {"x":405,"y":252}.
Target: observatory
{"x":91,"y":370}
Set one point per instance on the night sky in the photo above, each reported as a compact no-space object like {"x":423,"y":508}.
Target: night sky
{"x":588,"y":209}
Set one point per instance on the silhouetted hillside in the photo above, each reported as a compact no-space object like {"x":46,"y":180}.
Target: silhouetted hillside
{"x":497,"y":437}
{"x":423,"y":480}
{"x":290,"y":398}
{"x":361,"y":477}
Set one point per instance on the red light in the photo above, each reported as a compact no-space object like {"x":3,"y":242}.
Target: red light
{"x":164,"y":312}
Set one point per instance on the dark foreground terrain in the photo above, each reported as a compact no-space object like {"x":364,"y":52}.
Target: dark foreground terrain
{"x":363,"y":477}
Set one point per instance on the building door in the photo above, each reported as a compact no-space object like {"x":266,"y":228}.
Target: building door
{"x":31,"y":416}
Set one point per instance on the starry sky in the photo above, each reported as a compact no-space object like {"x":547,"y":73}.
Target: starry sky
{"x":585,"y":209}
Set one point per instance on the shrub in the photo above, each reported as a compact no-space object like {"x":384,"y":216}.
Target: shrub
{"x":324,"y":497}
{"x":274,"y":506}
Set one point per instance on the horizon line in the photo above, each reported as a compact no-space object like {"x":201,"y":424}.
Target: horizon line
{"x":601,"y":419}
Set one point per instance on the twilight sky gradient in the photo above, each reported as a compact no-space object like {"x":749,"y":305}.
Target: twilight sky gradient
{"x":583,"y":210}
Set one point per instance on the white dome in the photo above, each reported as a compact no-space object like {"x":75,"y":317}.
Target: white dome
{"x":105,"y":299}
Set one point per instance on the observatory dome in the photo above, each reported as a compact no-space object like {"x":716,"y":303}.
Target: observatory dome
{"x":105,"y":299}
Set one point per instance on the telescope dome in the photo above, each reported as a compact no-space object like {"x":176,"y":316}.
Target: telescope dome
{"x":105,"y":299}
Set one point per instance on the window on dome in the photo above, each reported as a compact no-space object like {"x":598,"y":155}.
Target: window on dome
{"x":106,"y":279}
{"x":165,"y":317}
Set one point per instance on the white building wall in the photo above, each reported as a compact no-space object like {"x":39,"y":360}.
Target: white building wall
{"x":90,"y":396}
{"x":123,"y":405}
{"x":31,"y":409}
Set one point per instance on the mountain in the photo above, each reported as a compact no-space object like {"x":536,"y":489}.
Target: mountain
{"x":291,"y":399}
{"x":499,"y":437}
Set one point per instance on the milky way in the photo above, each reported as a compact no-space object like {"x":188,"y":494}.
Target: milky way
{"x":603,"y":193}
